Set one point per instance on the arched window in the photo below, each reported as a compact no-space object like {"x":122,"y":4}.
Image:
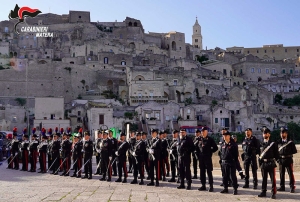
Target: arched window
{"x":123,"y":63}
{"x":106,"y":60}
{"x":135,"y":24}
{"x":173,"y":45}
{"x":130,"y":24}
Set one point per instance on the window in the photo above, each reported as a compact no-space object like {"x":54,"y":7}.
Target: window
{"x":259,"y":70}
{"x":5,"y":29}
{"x":188,"y":117}
{"x":225,"y":72}
{"x":121,"y":36}
{"x":147,"y":116}
{"x":45,"y":52}
{"x":157,"y":115}
{"x":199,"y":118}
{"x":225,"y":122}
{"x":79,"y":120}
{"x":123,"y":63}
{"x":167,"y":118}
{"x":265,"y":51}
{"x":273,"y":51}
{"x":216,"y":120}
{"x":79,"y":16}
{"x":175,"y":82}
{"x":151,"y":94}
{"x":237,"y":111}
{"x":267,"y":71}
{"x":106,"y":60}
{"x":257,"y":51}
{"x":283,"y":71}
{"x":221,"y":112}
{"x":188,"y":111}
{"x":52,"y":116}
{"x":248,"y":52}
{"x":273,"y":71}
{"x":101,"y":118}
{"x":196,"y":40}
{"x":196,"y":30}
{"x":297,"y":50}
{"x":14,"y":119}
{"x":252,"y":70}
{"x":140,"y":95}
{"x":78,"y":113}
{"x":285,"y":50}
{"x":291,"y":71}
{"x":179,"y":48}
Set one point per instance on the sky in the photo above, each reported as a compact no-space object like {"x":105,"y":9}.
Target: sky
{"x":224,"y":23}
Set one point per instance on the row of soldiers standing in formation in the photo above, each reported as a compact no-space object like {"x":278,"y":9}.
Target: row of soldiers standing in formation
{"x":159,"y":156}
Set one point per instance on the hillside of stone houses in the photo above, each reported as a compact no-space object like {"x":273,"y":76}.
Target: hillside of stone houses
{"x":146,"y":73}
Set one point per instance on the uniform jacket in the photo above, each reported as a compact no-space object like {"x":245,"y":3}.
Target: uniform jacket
{"x":185,"y":147}
{"x":286,"y":150}
{"x":88,"y":148}
{"x":229,"y":152}
{"x":123,"y":146}
{"x":207,"y":146}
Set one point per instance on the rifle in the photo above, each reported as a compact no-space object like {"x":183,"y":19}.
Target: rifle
{"x":12,"y":158}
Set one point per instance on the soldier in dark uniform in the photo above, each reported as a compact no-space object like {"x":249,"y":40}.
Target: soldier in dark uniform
{"x":207,"y":147}
{"x":77,"y":156}
{"x":106,"y":157}
{"x":33,"y":152}
{"x":132,"y":141}
{"x":97,"y":150}
{"x":122,"y":148}
{"x":138,"y":155}
{"x":229,"y":156}
{"x":88,"y":154}
{"x":14,"y":152}
{"x":251,"y":149}
{"x":286,"y":150}
{"x":69,"y":135}
{"x":42,"y":149}
{"x":173,"y":156}
{"x":163,"y":156}
{"x":65,"y":150}
{"x":224,"y":130}
{"x":24,"y":149}
{"x":195,"y":153}
{"x":269,"y":153}
{"x":114,"y":145}
{"x":49,"y":148}
{"x":55,"y":153}
{"x":166,"y":160}
{"x":154,"y":150}
{"x":185,"y":147}
{"x":146,"y":158}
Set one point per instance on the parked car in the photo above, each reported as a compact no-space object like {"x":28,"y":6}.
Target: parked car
{"x":5,"y":138}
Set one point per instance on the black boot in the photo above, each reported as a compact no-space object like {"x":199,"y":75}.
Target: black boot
{"x":172,"y":180}
{"x":224,"y":191}
{"x":181,"y":186}
{"x":124,"y":180}
{"x":134,"y":181}
{"x":262,"y":194}
{"x":235,"y":191}
{"x":189,"y":186}
{"x":141,"y":182}
{"x":118,"y":180}
{"x":202,"y":188}
{"x":150,"y":184}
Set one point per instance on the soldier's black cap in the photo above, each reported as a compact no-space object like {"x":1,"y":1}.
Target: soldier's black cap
{"x":34,"y":135}
{"x":56,"y":134}
{"x":65,"y":134}
{"x":26,"y":136}
{"x":234,"y":136}
{"x":51,"y":135}
{"x":44,"y":137}
{"x":248,"y":129}
{"x":69,"y":134}
{"x":175,"y":131}
{"x":283,"y":130}
{"x":225,"y":128}
{"x":122,"y":134}
{"x":198,"y":131}
{"x":182,"y":130}
{"x":154,"y":131}
{"x":144,"y":133}
{"x":226,"y":133}
{"x":15,"y":134}
{"x":138,"y":134}
{"x":132,"y":131}
{"x":161,"y":132}
{"x":204,"y":128}
{"x":266,"y":130}
{"x":87,"y":133}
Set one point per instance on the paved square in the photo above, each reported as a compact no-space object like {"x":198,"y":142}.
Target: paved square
{"x":25,"y":186}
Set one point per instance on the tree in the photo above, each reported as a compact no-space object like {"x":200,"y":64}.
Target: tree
{"x":294,"y":101}
{"x":278,"y":98}
{"x":201,"y":59}
{"x":188,"y":101}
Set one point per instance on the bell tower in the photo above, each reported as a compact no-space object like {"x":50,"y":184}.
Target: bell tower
{"x":197,"y":37}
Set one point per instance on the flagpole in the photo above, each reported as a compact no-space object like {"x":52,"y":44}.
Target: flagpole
{"x":27,"y":104}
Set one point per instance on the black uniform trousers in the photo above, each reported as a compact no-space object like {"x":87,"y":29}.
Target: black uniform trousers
{"x":184,"y":169}
{"x":251,"y":161}
{"x":114,"y":166}
{"x":138,"y":168}
{"x":88,"y":165}
{"x":289,"y":168}
{"x":66,"y":164}
{"x":105,"y":167}
{"x":25,"y":160}
{"x":162,"y":168}
{"x":77,"y":166}
{"x":154,"y":165}
{"x":130,"y":162}
{"x":229,"y":173}
{"x":50,"y":161}
{"x":55,"y":162}
{"x":42,"y":160}
{"x":195,"y":163}
{"x":122,"y":166}
{"x":205,"y":163}
{"x":272,"y":174}
{"x":146,"y":162}
{"x":174,"y":167}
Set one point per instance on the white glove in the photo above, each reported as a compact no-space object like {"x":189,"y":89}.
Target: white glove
{"x":151,"y":151}
{"x":117,"y":153}
{"x":170,"y":151}
{"x":133,"y":154}
{"x":110,"y":158}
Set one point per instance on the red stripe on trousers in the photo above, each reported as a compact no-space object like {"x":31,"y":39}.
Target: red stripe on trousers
{"x":125,"y":169}
{"x":158,"y":171}
{"x":274,"y":182}
{"x":293,"y":177}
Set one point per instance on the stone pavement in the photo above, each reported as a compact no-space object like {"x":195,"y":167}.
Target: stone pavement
{"x":31,"y":187}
